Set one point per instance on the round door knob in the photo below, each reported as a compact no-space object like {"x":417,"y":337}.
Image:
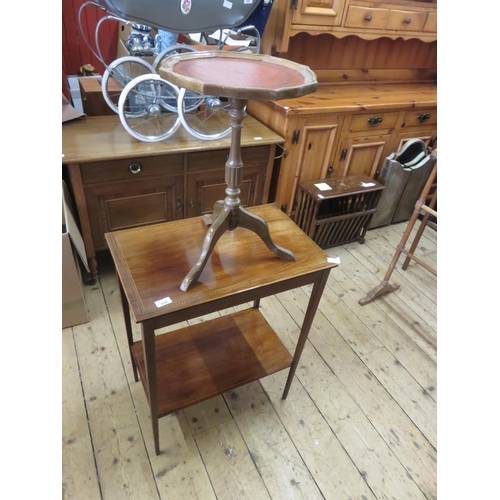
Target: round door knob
{"x":368,"y":18}
{"x":134,"y":168}
{"x":407,"y":21}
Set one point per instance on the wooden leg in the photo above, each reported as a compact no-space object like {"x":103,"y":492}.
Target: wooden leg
{"x":128,"y":328}
{"x":384,"y":286}
{"x":259,"y":226}
{"x":312,"y":307}
{"x":423,"y":224}
{"x":94,"y":276}
{"x":229,"y":214}
{"x":379,"y":290}
{"x":215,"y":231}
{"x":149,"y":348}
{"x":76,"y":179}
{"x":209,"y":219}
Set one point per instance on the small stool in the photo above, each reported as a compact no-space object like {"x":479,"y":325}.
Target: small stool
{"x":238,"y":77}
{"x":336,"y":211}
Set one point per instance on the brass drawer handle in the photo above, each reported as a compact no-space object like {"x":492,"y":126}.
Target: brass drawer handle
{"x":423,"y":117}
{"x":135,"y":168}
{"x":375,"y":120}
{"x":407,"y":20}
{"x":368,"y":18}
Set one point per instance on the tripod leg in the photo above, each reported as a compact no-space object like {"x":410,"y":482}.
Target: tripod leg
{"x":209,"y":219}
{"x":215,"y":231}
{"x":259,"y":226}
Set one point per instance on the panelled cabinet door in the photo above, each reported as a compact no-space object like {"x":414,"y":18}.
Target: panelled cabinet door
{"x":361,"y":155}
{"x":124,"y":205}
{"x":317,"y":12}
{"x":313,"y":155}
{"x":428,"y":136}
{"x":206,"y":178}
{"x":206,"y":188}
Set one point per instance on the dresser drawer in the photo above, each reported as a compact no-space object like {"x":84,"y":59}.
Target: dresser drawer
{"x":405,"y":20}
{"x":416,"y":118}
{"x":371,"y":121}
{"x":132,"y":168}
{"x":215,"y":160}
{"x":365,"y":17}
{"x":430,"y":25}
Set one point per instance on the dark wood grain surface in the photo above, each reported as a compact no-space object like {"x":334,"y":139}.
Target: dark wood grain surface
{"x":152,"y":261}
{"x":206,"y":359}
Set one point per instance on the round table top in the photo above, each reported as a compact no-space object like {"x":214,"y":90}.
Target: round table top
{"x":239,"y":75}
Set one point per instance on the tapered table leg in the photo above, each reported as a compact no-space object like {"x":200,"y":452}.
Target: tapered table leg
{"x":128,"y":328}
{"x":149,"y":350}
{"x":312,"y":307}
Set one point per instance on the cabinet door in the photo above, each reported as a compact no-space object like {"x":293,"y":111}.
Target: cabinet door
{"x":206,"y":182}
{"x":428,"y":136}
{"x":317,"y":12}
{"x":205,"y":188}
{"x":361,"y":155}
{"x":124,"y":205}
{"x":312,"y":157}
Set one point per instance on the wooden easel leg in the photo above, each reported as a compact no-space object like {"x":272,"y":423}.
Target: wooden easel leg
{"x":384,"y":286}
{"x":259,"y":226}
{"x":215,"y":231}
{"x":423,"y":224}
{"x":379,"y":290}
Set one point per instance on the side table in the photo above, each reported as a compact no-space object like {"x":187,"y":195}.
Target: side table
{"x":238,"y":77}
{"x":188,"y":365}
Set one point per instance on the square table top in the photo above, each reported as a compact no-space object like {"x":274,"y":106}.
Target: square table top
{"x":151,"y":261}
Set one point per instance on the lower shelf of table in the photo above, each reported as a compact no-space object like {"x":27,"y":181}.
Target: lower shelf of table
{"x":200,"y":361}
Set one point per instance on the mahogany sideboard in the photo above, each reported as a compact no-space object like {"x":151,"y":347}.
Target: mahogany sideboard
{"x":191,"y":364}
{"x":119,"y":182}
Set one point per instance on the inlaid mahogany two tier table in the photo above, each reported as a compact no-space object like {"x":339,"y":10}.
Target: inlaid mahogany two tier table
{"x":191,"y":364}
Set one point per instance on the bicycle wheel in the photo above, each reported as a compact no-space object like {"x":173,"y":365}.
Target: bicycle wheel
{"x":142,"y":110}
{"x":204,"y":117}
{"x":118,"y":74}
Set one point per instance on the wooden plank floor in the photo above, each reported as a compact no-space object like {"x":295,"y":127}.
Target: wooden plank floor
{"x":359,"y":421}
